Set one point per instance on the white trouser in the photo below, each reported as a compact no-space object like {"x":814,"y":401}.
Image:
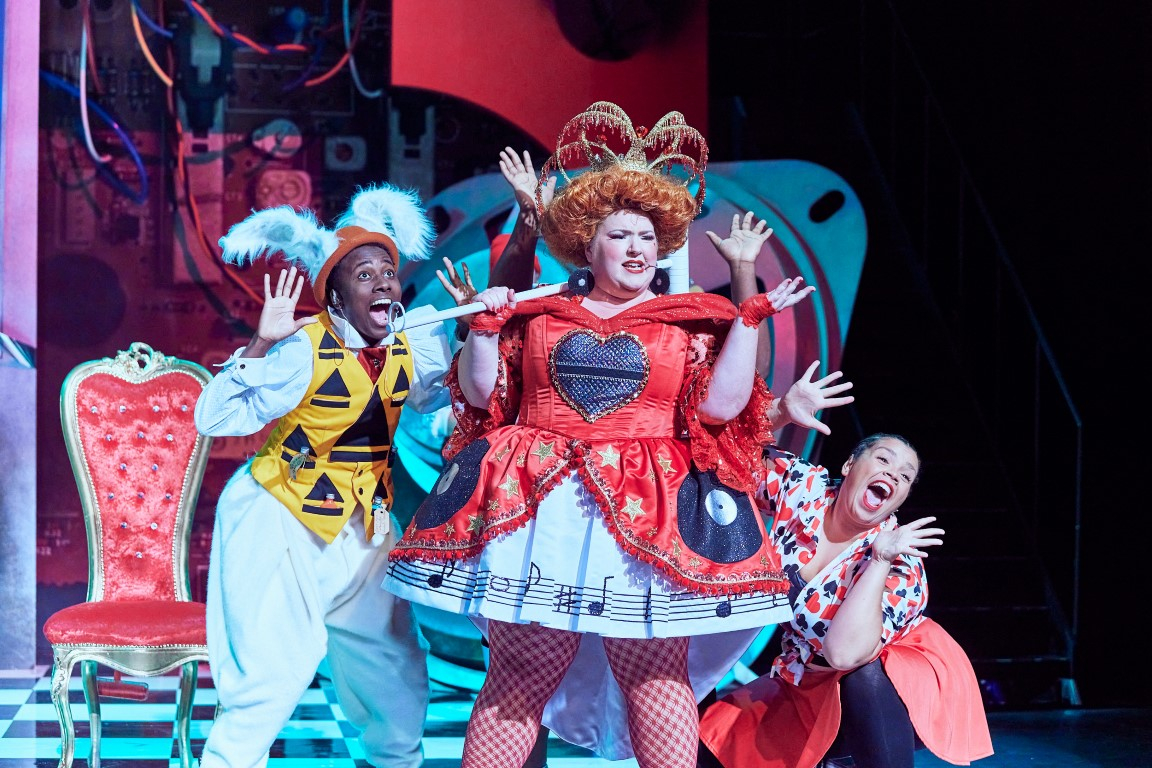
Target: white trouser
{"x":279,"y":600}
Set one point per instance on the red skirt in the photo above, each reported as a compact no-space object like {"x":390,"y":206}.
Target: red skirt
{"x":770,"y":723}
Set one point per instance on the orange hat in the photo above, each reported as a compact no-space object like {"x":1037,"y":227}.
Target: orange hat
{"x":351,"y":238}
{"x":381,"y":214}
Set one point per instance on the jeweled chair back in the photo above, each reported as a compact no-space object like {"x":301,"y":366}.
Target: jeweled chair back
{"x":138,"y":462}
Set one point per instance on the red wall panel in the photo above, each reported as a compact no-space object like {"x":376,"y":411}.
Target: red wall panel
{"x":512,"y":58}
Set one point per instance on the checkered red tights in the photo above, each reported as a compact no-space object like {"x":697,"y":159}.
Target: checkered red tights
{"x":526,"y":666}
{"x":662,"y":718}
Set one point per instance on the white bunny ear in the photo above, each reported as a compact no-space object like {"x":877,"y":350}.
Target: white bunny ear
{"x":394,"y":212}
{"x":282,"y":229}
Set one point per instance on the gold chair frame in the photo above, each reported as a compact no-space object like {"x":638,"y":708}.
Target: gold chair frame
{"x":136,"y":365}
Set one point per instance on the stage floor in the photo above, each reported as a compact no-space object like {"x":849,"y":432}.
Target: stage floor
{"x":139,"y":734}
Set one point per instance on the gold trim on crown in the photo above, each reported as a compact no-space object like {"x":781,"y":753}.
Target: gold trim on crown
{"x":602,"y":136}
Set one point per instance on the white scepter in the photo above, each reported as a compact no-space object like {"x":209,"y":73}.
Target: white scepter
{"x":676,"y":264}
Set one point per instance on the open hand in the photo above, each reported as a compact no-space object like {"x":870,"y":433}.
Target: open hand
{"x":806,"y":398}
{"x":521,"y":175}
{"x":908,"y":539}
{"x":788,"y":293}
{"x":459,"y":285}
{"x":744,"y":242}
{"x":278,"y":317}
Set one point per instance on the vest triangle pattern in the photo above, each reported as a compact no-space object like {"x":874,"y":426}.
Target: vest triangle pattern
{"x":334,"y":386}
{"x":330,"y":348}
{"x":297,"y":441}
{"x":400,"y":389}
{"x":370,"y":429}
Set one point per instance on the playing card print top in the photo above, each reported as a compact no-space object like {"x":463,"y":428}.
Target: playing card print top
{"x":796,"y":495}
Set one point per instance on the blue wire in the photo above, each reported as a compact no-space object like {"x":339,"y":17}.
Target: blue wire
{"x":149,"y":22}
{"x":313,"y":61}
{"x":109,"y":177}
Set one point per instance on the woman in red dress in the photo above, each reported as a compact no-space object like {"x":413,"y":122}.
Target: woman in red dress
{"x":594,"y":516}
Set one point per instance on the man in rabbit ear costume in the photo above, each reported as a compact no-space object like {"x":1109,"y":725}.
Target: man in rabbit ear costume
{"x":303,"y":529}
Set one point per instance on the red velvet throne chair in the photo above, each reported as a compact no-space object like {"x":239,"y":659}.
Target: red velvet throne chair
{"x":138,"y":462}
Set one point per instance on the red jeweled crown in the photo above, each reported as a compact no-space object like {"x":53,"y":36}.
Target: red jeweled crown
{"x":602,"y":136}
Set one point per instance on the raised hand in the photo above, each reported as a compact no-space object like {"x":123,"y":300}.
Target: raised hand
{"x":278,"y":317}
{"x":459,"y":285}
{"x":521,"y":175}
{"x":789,"y":292}
{"x":744,"y":242}
{"x":908,"y":539}
{"x":758,"y":308}
{"x":805,"y":398}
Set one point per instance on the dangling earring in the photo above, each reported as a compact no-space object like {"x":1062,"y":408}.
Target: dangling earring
{"x":581,"y":282}
{"x":660,"y":281}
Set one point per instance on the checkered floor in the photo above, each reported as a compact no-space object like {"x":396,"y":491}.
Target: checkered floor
{"x":140,"y":734}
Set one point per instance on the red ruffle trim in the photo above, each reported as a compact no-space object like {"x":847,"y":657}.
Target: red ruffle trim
{"x":734,"y":449}
{"x":473,"y":423}
{"x":403,"y":551}
{"x":756,"y":310}
{"x":768,"y":581}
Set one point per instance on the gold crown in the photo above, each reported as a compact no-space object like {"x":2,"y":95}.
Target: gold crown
{"x":602,"y":136}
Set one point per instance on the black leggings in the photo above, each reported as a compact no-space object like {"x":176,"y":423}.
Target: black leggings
{"x":875,"y":729}
{"x":874,"y":725}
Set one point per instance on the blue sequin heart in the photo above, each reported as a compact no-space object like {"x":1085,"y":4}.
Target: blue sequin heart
{"x":598,"y":375}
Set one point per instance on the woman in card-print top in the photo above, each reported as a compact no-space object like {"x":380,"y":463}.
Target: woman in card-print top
{"x":862,"y":671}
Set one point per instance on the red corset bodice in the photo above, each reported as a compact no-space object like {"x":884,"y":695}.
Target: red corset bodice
{"x":611,"y":386}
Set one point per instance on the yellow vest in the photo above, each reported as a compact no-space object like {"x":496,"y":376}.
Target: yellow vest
{"x":340,"y":436}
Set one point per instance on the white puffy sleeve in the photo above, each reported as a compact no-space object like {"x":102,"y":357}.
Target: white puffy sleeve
{"x":250,"y":392}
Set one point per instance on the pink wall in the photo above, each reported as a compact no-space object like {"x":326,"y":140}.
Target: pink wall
{"x":19,"y":105}
{"x":19,"y":167}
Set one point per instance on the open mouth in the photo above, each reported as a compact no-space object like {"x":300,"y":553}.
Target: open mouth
{"x":876,"y":494}
{"x":635,"y":267}
{"x":379,"y":310}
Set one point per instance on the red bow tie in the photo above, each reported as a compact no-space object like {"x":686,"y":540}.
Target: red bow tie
{"x":373,"y":360}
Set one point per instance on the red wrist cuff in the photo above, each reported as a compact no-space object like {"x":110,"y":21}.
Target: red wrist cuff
{"x":491,"y":322}
{"x":755,"y":310}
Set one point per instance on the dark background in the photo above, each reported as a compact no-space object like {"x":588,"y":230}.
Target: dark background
{"x":1049,"y":104}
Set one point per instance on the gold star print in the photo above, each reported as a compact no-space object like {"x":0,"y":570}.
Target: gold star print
{"x":493,"y":505}
{"x":500,"y":454}
{"x":521,"y":460}
{"x":511,"y":486}
{"x":764,"y":560}
{"x":632,"y":508}
{"x":675,"y":548}
{"x":449,"y":529}
{"x":545,"y":450}
{"x":652,"y":476}
{"x":665,"y":463}
{"x":694,"y":562}
{"x":652,"y":533}
{"x":475,"y":523}
{"x":609,"y":458}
